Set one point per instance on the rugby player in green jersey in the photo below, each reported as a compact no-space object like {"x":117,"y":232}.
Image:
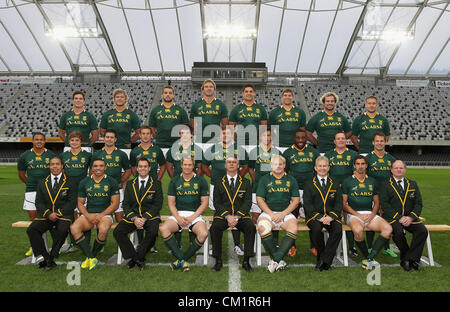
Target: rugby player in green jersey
{"x":78,"y":119}
{"x":326,"y":123}
{"x":361,"y":202}
{"x":277,"y":196}
{"x":165,"y":118}
{"x":300,"y":161}
{"x":288,"y":118}
{"x":149,"y":151}
{"x":117,"y":165}
{"x":184,"y":148}
{"x":98,"y":198}
{"x":367,"y":124}
{"x":379,"y":167}
{"x":248,"y":115}
{"x":32,"y":166}
{"x":122,"y":120}
{"x":76,"y":162}
{"x":341,"y":167}
{"x":259,"y":165}
{"x":187,"y":200}
{"x":210,"y":111}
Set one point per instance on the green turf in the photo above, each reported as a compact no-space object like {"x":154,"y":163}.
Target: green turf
{"x":434,"y":185}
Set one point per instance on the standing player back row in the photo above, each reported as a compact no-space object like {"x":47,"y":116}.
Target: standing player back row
{"x":212,"y":111}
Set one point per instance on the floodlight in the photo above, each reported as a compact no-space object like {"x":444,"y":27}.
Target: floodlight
{"x":229,"y":31}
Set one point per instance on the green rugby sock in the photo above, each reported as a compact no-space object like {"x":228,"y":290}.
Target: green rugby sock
{"x":172,"y":244}
{"x":178,"y":237}
{"x":379,"y":243}
{"x":84,"y":245}
{"x":286,"y":244}
{"x":269,"y":244}
{"x":98,"y":245}
{"x":386,"y":245}
{"x":362,"y":247}
{"x":350,"y":239}
{"x":275,"y":236}
{"x":192,"y":249}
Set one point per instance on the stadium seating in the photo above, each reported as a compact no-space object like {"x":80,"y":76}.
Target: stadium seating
{"x":39,"y":107}
{"x":269,"y":98}
{"x":414,"y":113}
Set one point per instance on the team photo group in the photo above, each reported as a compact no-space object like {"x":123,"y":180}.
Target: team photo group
{"x":268,"y":171}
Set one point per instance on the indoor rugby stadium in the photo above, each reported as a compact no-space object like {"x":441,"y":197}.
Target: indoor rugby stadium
{"x":263,"y":147}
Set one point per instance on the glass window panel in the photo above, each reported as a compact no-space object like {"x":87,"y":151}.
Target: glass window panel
{"x":269,"y":26}
{"x":432,"y":46}
{"x":24,"y":40}
{"x":144,"y":39}
{"x":49,"y":45}
{"x":191,"y":31}
{"x":169,"y":39}
{"x":118,"y":32}
{"x":409,"y":48}
{"x":343,"y":28}
{"x":10,"y":53}
{"x":442,"y":65}
{"x":315,"y":40}
{"x":290,"y":41}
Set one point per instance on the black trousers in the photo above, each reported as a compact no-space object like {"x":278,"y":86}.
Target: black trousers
{"x":124,"y":228}
{"x":244,"y":225}
{"x":39,"y":227}
{"x":419,"y":237}
{"x":325,"y":253}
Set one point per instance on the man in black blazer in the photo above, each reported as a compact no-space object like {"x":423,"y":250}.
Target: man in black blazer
{"x":55,"y":202}
{"x":401,"y":202}
{"x":232,"y":200}
{"x":142,"y":203}
{"x":323,"y":207}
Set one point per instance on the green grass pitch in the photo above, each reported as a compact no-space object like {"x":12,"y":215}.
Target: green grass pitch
{"x":434,"y":185}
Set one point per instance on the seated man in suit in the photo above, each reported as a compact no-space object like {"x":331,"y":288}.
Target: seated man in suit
{"x":142,"y":203}
{"x":232,"y":200}
{"x":322,"y":198}
{"x":55,"y":203}
{"x":402,"y":204}
{"x":277,"y":196}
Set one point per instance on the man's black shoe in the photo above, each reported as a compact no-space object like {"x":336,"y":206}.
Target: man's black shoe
{"x":246,"y":266}
{"x":50,"y":266}
{"x":217,"y":266}
{"x":405,"y":266}
{"x":131,"y":264}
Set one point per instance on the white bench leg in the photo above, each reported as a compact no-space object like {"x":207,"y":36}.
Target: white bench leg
{"x":206,"y":251}
{"x":344,"y":248}
{"x":258,"y":249}
{"x":430,"y":250}
{"x":44,"y":237}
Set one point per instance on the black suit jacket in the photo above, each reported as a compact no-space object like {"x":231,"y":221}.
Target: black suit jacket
{"x":319,"y":201}
{"x":63,"y":200}
{"x":236,"y":203}
{"x":147,"y":205}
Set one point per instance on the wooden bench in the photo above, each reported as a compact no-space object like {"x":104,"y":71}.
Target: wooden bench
{"x":301,"y":228}
{"x":343,"y":244}
{"x":133,"y":238}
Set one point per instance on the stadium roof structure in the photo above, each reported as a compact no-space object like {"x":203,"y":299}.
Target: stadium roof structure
{"x":335,"y":38}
